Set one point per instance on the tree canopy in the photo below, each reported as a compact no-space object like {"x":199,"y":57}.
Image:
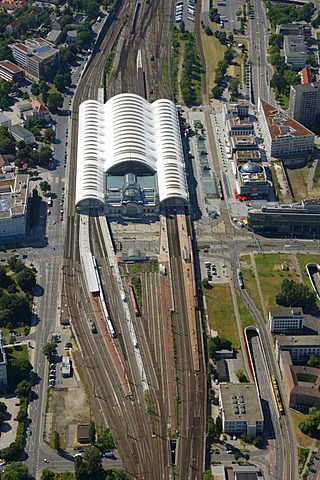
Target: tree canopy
{"x":26,"y":279}
{"x":294,"y":294}
{"x":15,"y":471}
{"x":310,"y":425}
{"x":90,"y":465}
{"x":218,"y":343}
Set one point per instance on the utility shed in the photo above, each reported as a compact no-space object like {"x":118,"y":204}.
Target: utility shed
{"x":89,"y":266}
{"x":66,"y":367}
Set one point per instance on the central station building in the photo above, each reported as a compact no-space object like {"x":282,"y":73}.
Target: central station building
{"x":130,"y":157}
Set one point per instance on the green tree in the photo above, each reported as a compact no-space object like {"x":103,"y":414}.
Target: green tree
{"x":314,"y":361}
{"x":47,"y":474}
{"x":21,"y":369}
{"x":92,"y":432}
{"x":229,"y":55}
{"x":182,"y":27}
{"x":15,"y":471}
{"x":56,"y":441}
{"x":258,"y":442}
{"x":90,"y":466}
{"x":241,"y":376}
{"x":218,"y":426}
{"x":49,"y":348}
{"x":15,"y":264}
{"x":218,"y":343}
{"x":49,"y":135}
{"x":233,"y":86}
{"x":45,"y":156}
{"x":23,"y":389}
{"x":45,"y":186}
{"x":35,"y":89}
{"x":310,"y":425}
{"x":3,"y":407}
{"x":26,"y":279}
{"x":105,"y":439}
{"x":4,"y":279}
{"x":55,"y":101}
{"x":294,"y":294}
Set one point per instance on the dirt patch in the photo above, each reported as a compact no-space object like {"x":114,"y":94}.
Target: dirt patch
{"x":67,"y":407}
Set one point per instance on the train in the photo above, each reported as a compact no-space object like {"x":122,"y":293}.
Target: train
{"x":134,"y":18}
{"x":240,"y":278}
{"x":133,"y":301}
{"x":103,"y":303}
{"x":277,"y":395}
{"x":194,"y":281}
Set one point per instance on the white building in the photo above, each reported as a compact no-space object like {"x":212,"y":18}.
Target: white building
{"x":34,"y":54}
{"x":300,"y":346}
{"x":241,"y":409}
{"x":3,"y":365}
{"x":128,"y":135}
{"x":284,"y":137}
{"x":13,"y":205}
{"x":285,"y":319}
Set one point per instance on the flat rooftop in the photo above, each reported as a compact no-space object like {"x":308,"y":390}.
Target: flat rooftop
{"x":241,"y":402}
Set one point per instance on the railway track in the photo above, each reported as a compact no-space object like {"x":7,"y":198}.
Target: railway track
{"x":142,"y":442}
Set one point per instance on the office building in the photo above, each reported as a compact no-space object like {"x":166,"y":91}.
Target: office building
{"x":34,"y":55}
{"x":304,"y":103}
{"x":299,"y":346}
{"x":295,"y":51}
{"x":293,"y":219}
{"x":284,"y":136}
{"x":10,"y":72}
{"x":285,"y":319}
{"x":241,"y":409}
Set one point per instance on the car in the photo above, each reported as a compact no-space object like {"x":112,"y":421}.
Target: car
{"x":217,"y":451}
{"x":29,"y":432}
{"x":77,"y":455}
{"x":229,"y":451}
{"x":68,"y":345}
{"x":3,"y":259}
{"x":108,"y":455}
{"x":54,"y":222}
{"x":52,"y":365}
{"x":46,"y":460}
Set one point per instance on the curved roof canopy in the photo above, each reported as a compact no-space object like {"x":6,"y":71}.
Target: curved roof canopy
{"x":127,"y":128}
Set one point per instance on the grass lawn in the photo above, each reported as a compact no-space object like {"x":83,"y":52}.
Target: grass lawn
{"x":245,"y":315}
{"x":271,"y":275}
{"x":302,"y":439}
{"x":303,"y":259}
{"x":250,"y":281}
{"x":284,"y":102}
{"x":221,"y":313}
{"x":213,"y":53}
{"x":298,"y":179}
{"x":17,"y":351}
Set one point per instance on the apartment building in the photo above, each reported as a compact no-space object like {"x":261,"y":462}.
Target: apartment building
{"x":20,"y":133}
{"x":304,"y":103}
{"x":284,"y":136}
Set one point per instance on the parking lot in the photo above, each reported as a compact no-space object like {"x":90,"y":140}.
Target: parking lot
{"x":185,"y":12}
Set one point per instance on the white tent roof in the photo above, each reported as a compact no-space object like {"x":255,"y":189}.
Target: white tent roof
{"x":128,"y":128}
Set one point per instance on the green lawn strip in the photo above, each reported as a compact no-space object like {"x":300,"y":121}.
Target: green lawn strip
{"x":245,"y":315}
{"x":221,"y":313}
{"x":250,"y":281}
{"x":271,"y":275}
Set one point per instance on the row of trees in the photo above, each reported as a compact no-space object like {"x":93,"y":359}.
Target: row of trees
{"x":191,"y":72}
{"x":219,"y":80}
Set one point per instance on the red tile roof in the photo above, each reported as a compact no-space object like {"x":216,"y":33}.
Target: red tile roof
{"x":38,"y":106}
{"x":276,"y":119}
{"x":305,"y":75}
